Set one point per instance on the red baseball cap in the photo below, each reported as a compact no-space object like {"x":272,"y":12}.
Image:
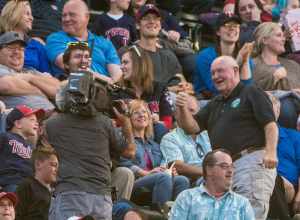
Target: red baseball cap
{"x":11,"y":196}
{"x":22,"y":111}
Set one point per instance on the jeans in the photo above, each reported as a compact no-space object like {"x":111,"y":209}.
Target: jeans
{"x":163,"y":186}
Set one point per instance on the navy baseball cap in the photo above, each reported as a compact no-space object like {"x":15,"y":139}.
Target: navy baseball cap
{"x":223,"y":19}
{"x":20,"y":112}
{"x":146,"y":9}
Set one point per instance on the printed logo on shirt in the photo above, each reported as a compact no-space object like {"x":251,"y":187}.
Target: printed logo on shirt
{"x":19,"y":149}
{"x":117,"y":31}
{"x":235,"y":103}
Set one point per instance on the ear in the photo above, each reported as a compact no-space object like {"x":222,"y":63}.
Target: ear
{"x":17,"y":124}
{"x":137,"y":25}
{"x":265,"y":40}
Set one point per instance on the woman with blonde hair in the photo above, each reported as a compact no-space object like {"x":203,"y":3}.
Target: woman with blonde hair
{"x":146,"y":165}
{"x":272,"y":72}
{"x":16,"y":16}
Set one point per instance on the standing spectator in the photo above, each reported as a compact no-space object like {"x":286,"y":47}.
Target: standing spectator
{"x":75,"y":20}
{"x":34,"y":193}
{"x":8,"y":203}
{"x":214,"y":197}
{"x":148,"y":158}
{"x":84,"y":144}
{"x":244,"y":113}
{"x":18,"y":86}
{"x":76,"y":58}
{"x":164,"y":60}
{"x":22,"y":124}
{"x":187,"y":151}
{"x":115,"y":25}
{"x":21,"y":22}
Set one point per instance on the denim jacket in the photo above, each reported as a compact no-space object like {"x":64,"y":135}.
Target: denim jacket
{"x":138,"y":162}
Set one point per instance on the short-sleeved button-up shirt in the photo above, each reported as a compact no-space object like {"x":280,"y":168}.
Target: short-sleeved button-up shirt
{"x":198,"y":204}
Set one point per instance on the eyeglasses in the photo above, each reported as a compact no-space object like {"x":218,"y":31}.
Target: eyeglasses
{"x":231,"y":25}
{"x":136,"y":50}
{"x":224,"y":166}
{"x":15,"y":48}
{"x":78,"y":44}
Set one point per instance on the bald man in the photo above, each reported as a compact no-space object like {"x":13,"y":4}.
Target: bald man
{"x":75,"y":19}
{"x":241,"y":120}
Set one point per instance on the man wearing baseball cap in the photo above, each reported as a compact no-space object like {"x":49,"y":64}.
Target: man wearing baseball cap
{"x":19,"y":85}
{"x":164,"y":61}
{"x":8,"y":202}
{"x":15,"y":150}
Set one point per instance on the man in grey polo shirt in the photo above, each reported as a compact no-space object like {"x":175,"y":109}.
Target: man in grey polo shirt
{"x":17,"y":85}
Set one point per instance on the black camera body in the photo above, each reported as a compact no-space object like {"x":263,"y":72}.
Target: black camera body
{"x":86,"y":95}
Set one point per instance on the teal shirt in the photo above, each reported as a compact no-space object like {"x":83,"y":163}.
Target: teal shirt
{"x":177,"y":145}
{"x":198,"y":204}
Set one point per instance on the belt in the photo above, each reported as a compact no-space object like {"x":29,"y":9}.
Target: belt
{"x":245,"y":152}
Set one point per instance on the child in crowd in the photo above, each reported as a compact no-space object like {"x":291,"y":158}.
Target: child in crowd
{"x":34,"y":192}
{"x":8,"y":202}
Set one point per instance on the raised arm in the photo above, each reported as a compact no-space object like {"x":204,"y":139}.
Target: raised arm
{"x":186,"y":119}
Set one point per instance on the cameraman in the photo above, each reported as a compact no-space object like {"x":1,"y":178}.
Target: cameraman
{"x":77,"y":58}
{"x":84,"y":144}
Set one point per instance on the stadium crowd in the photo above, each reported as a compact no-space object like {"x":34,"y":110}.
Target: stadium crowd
{"x":117,"y":115}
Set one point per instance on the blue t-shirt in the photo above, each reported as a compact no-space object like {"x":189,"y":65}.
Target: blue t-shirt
{"x":103,"y":51}
{"x":288,"y":151}
{"x":36,"y":57}
{"x":202,"y":78}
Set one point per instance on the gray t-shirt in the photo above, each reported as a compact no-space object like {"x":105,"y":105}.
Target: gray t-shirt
{"x":33,"y":101}
{"x":84,"y":145}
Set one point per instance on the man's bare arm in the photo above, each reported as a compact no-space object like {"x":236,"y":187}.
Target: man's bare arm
{"x":115,"y":72}
{"x":194,"y":172}
{"x":186,"y":119}
{"x":47,"y":84}
{"x":12,"y":85}
{"x":271,"y":139}
{"x":59,"y":61}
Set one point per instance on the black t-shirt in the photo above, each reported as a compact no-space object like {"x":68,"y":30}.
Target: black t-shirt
{"x":34,"y":200}
{"x":237,"y":122}
{"x":165,"y":64}
{"x":83,"y":145}
{"x":121,"y":32}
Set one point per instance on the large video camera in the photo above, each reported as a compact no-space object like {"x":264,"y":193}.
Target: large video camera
{"x":86,"y":95}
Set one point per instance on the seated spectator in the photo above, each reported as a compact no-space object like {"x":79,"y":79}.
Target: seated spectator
{"x":18,"y":86}
{"x":227,"y":35}
{"x":249,"y":11}
{"x":272,"y":72}
{"x":34,"y":193}
{"x":74,"y":24}
{"x":35,"y":52}
{"x":115,"y":25}
{"x":8,"y":202}
{"x":138,"y":71}
{"x":22,"y":124}
{"x":147,"y":161}
{"x":164,"y":61}
{"x":187,"y":151}
{"x":47,"y":17}
{"x":168,"y":22}
{"x":214,"y":197}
